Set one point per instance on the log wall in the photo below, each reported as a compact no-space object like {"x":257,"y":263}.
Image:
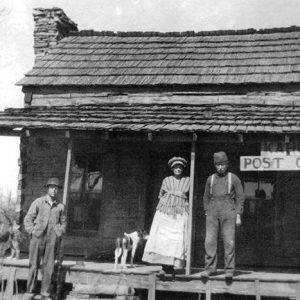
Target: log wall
{"x":74,"y":97}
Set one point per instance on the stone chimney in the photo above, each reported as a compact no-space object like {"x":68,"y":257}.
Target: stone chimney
{"x":51,"y":25}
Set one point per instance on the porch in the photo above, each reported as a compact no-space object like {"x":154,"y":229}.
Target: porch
{"x":88,"y":277}
{"x":111,"y":182}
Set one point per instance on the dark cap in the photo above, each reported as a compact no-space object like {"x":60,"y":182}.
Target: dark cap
{"x":53,"y":181}
{"x":220,"y":157}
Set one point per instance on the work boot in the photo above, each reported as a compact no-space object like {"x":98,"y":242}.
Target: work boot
{"x":207,"y":273}
{"x":168,"y":269}
{"x":229,"y":274}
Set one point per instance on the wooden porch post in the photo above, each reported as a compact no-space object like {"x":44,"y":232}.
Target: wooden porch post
{"x":67,"y":172}
{"x":191,"y":198}
{"x":298,"y":291}
{"x":152,"y":286}
{"x":65,"y":202}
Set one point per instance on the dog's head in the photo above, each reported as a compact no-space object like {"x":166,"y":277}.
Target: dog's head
{"x":143,"y":234}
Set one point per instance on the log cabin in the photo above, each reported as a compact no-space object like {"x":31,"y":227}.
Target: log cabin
{"x":104,"y":111}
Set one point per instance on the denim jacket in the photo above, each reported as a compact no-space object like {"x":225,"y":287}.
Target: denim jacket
{"x":38,"y":215}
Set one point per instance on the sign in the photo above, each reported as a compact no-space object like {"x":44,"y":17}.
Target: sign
{"x":279,"y":148}
{"x":270,"y":163}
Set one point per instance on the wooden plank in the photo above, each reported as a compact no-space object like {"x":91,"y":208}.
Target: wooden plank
{"x":236,"y":287}
{"x":270,"y":284}
{"x":67,"y":172}
{"x":152,"y":286}
{"x":257,"y":290}
{"x":298,"y":291}
{"x":280,"y":289}
{"x":191,"y":200}
{"x":208,"y":290}
{"x":11,"y":281}
{"x":105,"y":289}
{"x":247,"y":288}
{"x":98,"y":97}
{"x":140,"y":91}
{"x":65,"y":202}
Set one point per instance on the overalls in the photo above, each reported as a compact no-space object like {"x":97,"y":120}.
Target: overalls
{"x":220,"y":214}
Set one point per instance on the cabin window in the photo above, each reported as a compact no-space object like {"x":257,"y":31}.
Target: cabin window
{"x":85,"y":192}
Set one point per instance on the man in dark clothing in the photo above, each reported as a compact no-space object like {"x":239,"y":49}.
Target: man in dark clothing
{"x":223,"y":204}
{"x":45,"y":222}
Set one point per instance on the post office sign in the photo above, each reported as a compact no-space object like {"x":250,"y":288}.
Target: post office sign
{"x":270,"y":163}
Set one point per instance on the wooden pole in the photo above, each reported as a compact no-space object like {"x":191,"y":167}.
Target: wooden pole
{"x":67,"y":172}
{"x":191,"y":198}
{"x":152,"y":286}
{"x":298,"y":291}
{"x":257,"y":290}
{"x":65,"y":202}
{"x":208,"y":290}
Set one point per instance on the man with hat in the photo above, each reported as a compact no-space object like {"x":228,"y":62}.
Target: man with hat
{"x":45,"y":222}
{"x":223,"y":204}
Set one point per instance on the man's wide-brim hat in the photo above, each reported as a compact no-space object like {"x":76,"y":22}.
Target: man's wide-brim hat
{"x":177,"y":161}
{"x":53,"y":181}
{"x":220,"y":157}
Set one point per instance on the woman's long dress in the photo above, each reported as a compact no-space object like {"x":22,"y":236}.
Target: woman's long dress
{"x":167,"y":239}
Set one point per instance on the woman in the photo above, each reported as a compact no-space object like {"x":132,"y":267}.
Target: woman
{"x":166,"y":244}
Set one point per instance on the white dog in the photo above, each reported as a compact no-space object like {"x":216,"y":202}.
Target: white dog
{"x":128,"y":243}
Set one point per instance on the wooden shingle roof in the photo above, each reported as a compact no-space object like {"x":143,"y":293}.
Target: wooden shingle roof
{"x":188,"y":58}
{"x":158,"y":117}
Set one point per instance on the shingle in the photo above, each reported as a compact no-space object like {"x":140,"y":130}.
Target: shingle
{"x":157,"y":117}
{"x":234,"y":57}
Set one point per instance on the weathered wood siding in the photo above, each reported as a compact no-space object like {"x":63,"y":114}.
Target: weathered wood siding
{"x":59,"y":97}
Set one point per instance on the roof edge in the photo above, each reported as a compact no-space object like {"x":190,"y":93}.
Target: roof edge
{"x":91,"y":32}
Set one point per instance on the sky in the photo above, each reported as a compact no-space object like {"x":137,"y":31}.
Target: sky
{"x":16,"y":32}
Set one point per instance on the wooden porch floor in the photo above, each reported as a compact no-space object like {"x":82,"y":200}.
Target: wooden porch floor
{"x":246,"y":282}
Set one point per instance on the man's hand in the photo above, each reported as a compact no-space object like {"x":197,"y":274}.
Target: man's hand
{"x":238,"y":221}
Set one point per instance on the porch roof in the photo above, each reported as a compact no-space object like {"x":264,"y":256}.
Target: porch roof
{"x":180,"y":58}
{"x":158,"y":117}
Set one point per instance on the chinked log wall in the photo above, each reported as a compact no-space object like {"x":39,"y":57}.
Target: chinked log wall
{"x":90,"y":98}
{"x":43,"y":154}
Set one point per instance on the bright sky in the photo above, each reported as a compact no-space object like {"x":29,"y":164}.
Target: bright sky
{"x":16,"y":31}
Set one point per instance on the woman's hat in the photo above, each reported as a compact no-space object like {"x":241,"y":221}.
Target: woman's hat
{"x":177,"y":161}
{"x":53,"y":181}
